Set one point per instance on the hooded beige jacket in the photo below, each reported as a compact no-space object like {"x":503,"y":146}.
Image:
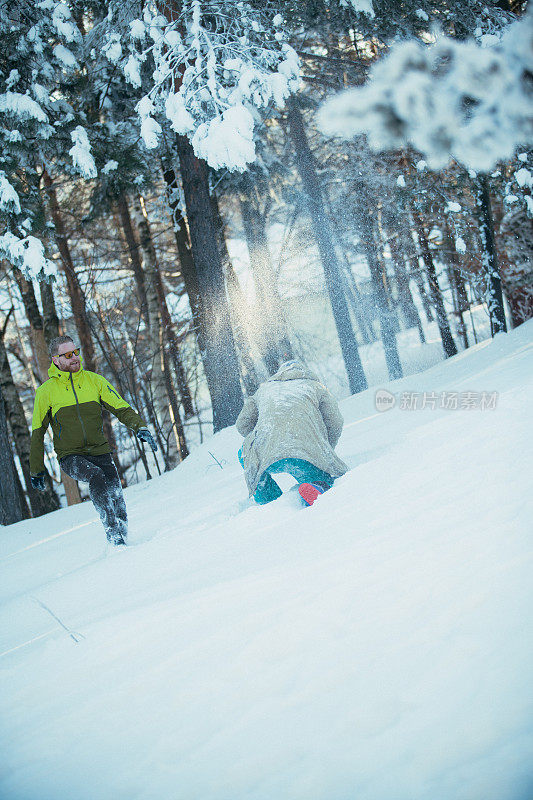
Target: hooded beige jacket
{"x":292,"y":415}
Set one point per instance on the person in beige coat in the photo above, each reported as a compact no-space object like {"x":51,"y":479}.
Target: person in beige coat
{"x":291,"y":424}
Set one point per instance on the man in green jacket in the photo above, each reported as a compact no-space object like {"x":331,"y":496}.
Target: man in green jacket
{"x":71,"y":401}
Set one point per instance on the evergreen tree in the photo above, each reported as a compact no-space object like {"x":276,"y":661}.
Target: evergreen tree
{"x":40,"y":45}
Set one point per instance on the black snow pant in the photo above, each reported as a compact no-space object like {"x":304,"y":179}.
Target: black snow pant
{"x":105,"y":491}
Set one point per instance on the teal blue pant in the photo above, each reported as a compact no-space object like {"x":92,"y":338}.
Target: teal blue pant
{"x":303,"y":471}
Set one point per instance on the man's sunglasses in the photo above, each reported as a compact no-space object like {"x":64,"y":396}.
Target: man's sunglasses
{"x":70,"y":353}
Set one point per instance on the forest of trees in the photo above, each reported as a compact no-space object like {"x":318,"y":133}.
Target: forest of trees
{"x":189,"y":190}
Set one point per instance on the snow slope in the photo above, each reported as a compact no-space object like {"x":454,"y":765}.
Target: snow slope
{"x":376,"y":646}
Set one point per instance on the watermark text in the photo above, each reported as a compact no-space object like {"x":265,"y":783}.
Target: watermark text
{"x":445,"y":400}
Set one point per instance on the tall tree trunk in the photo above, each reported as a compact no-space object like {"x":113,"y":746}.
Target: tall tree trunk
{"x":355,"y":299}
{"x":11,"y":508}
{"x":392,"y":303}
{"x":416,"y":273}
{"x":177,"y":424}
{"x":190,"y":279}
{"x":489,"y":256}
{"x":37,"y":338}
{"x":272,"y":330}
{"x":322,"y":229}
{"x":516,"y":263}
{"x":357,"y":305}
{"x":20,"y":351}
{"x":133,"y":250}
{"x":50,"y":317}
{"x":388,"y":337}
{"x":237,"y":306}
{"x":40,"y":502}
{"x":160,"y":380}
{"x":448,"y":343}
{"x":460,"y":298}
{"x":183,"y":244}
{"x":186,"y":399}
{"x":136,"y":385}
{"x":76,"y":294}
{"x":219,"y":357}
{"x":412,"y":317}
{"x":179,"y":369}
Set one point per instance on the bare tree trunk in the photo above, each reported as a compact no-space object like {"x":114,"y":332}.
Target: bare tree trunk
{"x":136,"y":391}
{"x":516,"y":263}
{"x":177,"y":424}
{"x":392,"y":304}
{"x":324,"y":239}
{"x":460,"y":298}
{"x":448,"y":343}
{"x":388,"y":336}
{"x":489,"y":256}
{"x":410,"y":311}
{"x":133,"y":250}
{"x":190,"y":280}
{"x":159,"y":380}
{"x":11,"y":508}
{"x":179,"y":369}
{"x":416,"y":274}
{"x":50,"y":318}
{"x":76,"y":294}
{"x":170,"y":337}
{"x":38,"y":342}
{"x":20,"y":351}
{"x":356,"y":303}
{"x":183,"y":244}
{"x":219,"y":357}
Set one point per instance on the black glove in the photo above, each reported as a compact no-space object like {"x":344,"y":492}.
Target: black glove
{"x":37,"y":481}
{"x":145,"y":436}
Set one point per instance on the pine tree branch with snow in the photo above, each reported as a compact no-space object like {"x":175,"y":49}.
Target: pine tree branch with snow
{"x":451,"y":99}
{"x":216,"y":67}
{"x":40,"y":60}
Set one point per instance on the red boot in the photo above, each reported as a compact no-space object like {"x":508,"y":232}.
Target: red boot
{"x":310,"y":491}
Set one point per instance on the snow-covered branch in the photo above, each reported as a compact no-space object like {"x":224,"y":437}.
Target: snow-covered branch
{"x":40,"y":56}
{"x":451,"y":99}
{"x":215,"y":66}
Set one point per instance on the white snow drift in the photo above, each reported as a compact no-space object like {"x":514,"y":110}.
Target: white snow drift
{"x":376,"y":646}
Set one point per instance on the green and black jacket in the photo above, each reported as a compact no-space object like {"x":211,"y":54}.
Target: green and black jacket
{"x":72,"y":404}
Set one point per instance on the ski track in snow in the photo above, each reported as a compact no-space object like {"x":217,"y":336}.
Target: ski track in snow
{"x":375,"y":646}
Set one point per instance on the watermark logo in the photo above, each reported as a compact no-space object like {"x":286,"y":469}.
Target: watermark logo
{"x":384,"y":400}
{"x":445,"y":401}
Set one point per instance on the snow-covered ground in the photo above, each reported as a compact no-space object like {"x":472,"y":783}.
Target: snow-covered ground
{"x":377,"y":646}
